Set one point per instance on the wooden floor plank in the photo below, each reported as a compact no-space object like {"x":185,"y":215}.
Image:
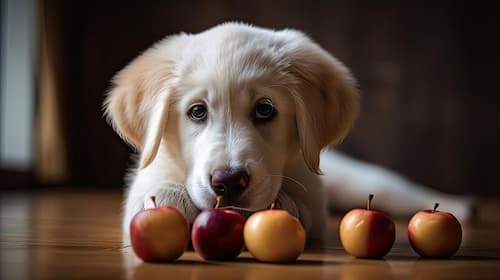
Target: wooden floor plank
{"x":76,"y":235}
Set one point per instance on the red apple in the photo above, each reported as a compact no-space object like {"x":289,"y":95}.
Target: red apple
{"x":434,"y":234}
{"x":159,"y":234}
{"x":366,"y":233}
{"x":217,"y":234}
{"x":274,"y":236}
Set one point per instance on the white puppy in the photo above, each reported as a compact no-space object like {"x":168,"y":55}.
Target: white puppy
{"x":244,"y":112}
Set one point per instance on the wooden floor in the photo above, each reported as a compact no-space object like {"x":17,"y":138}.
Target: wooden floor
{"x":76,"y":235}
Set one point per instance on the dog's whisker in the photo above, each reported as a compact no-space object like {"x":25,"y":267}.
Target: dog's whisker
{"x":293,"y":180}
{"x":233,"y":207}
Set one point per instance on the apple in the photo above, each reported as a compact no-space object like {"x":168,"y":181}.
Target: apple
{"x":217,"y":233}
{"x":366,"y":233}
{"x":159,"y":234}
{"x":434,"y":233}
{"x":274,"y":236}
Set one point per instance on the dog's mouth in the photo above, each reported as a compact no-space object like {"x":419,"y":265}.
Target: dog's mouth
{"x":237,"y":205}
{"x":226,"y":197}
{"x":256,"y":196}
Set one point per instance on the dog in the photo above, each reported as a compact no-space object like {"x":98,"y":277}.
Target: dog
{"x":249,"y":114}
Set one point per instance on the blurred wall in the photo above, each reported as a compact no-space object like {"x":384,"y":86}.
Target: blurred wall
{"x":425,"y":69}
{"x":17,"y":84}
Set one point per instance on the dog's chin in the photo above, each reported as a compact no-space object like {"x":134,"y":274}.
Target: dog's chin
{"x":259,"y":196}
{"x":246,"y":203}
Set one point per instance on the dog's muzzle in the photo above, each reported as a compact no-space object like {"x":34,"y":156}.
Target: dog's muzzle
{"x":229,"y":183}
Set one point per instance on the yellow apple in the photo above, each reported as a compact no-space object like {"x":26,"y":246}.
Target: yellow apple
{"x":366,"y":233}
{"x":434,"y":233}
{"x":274,"y":236}
{"x":159,"y":234}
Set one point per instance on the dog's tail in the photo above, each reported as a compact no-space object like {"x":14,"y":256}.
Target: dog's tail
{"x":349,"y":181}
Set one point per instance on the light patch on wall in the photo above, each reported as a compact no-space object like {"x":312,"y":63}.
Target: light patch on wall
{"x":17,"y":84}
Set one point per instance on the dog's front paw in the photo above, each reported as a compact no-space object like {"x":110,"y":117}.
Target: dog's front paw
{"x":172,"y":195}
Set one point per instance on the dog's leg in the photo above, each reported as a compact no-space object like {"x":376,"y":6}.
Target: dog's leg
{"x":166,"y":194}
{"x":349,"y":181}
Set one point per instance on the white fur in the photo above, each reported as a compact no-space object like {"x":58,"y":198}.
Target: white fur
{"x":229,"y":68}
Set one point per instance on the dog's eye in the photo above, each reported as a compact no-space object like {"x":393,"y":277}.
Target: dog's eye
{"x":198,"y":112}
{"x":264,"y":110}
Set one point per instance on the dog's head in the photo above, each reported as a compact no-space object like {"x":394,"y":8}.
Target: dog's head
{"x":233,"y":107}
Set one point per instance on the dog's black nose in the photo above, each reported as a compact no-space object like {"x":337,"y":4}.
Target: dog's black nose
{"x":229,"y":183}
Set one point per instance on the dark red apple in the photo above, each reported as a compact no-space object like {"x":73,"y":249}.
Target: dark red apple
{"x":366,"y":233}
{"x":159,"y":234}
{"x":217,"y":234}
{"x":434,"y":234}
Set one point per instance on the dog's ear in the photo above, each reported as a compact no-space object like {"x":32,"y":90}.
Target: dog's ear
{"x":137,"y":104}
{"x":326,"y":98}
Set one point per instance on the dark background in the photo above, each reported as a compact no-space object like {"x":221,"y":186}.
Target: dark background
{"x":427,"y":71}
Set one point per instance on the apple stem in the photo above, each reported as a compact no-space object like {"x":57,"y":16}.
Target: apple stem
{"x":153,"y":198}
{"x":272,"y":205}
{"x":369,"y":204}
{"x":436,"y":205}
{"x":218,"y":201}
